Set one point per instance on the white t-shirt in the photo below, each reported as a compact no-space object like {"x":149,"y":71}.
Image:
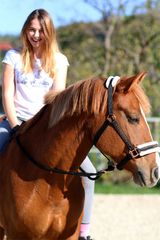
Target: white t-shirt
{"x":31,"y":87}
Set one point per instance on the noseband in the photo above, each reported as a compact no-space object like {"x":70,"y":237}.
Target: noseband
{"x":133,"y":151}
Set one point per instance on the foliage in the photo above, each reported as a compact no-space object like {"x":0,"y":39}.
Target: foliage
{"x":135,"y":48}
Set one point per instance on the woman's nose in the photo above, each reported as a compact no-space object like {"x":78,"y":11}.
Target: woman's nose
{"x":36,"y":34}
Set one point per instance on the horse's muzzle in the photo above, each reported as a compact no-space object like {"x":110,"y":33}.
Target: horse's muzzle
{"x":144,"y":180}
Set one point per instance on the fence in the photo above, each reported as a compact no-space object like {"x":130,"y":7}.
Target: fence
{"x":154,"y":123}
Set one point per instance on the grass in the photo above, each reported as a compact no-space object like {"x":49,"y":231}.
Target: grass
{"x":124,"y":188}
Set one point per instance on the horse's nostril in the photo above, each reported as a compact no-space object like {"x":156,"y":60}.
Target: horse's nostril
{"x":156,"y":173}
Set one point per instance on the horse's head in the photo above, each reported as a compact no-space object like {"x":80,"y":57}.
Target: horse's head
{"x":129,"y":107}
{"x":121,"y":131}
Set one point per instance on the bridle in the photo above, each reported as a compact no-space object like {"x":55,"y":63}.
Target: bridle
{"x":133,"y":151}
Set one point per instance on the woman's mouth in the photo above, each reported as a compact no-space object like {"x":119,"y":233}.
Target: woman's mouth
{"x":36,"y":40}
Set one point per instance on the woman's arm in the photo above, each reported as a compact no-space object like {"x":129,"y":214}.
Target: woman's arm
{"x":60,"y":78}
{"x":8,"y":88}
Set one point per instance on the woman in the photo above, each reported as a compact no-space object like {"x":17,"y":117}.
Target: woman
{"x":28,"y":74}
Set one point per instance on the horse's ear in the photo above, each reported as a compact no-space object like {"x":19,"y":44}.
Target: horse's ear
{"x":125,"y":84}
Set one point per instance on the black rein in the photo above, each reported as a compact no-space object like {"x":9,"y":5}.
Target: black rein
{"x":91,"y":176}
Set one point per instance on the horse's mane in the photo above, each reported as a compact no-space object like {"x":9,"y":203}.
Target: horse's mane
{"x":83,"y":96}
{"x":86,"y":96}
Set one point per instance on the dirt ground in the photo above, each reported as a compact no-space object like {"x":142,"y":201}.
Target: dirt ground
{"x":126,"y":217}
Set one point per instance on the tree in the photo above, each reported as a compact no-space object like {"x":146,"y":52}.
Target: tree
{"x":130,"y":41}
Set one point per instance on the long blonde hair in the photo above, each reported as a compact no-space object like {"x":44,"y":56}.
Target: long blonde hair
{"x":50,"y":44}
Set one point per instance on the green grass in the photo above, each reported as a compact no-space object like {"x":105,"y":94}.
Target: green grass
{"x":124,"y":188}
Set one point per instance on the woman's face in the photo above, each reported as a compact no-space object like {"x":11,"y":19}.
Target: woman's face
{"x":35,"y":34}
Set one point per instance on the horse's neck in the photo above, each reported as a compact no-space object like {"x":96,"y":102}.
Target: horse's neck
{"x":72,"y":141}
{"x":64,"y":145}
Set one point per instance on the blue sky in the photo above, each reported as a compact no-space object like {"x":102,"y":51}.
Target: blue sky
{"x":13,"y":13}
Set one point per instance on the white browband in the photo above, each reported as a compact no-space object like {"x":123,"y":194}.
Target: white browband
{"x":114,"y":81}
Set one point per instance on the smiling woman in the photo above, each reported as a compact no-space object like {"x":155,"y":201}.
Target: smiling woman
{"x":39,"y":42}
{"x":28,"y":74}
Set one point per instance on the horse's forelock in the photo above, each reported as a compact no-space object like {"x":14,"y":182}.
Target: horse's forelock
{"x":85,"y":96}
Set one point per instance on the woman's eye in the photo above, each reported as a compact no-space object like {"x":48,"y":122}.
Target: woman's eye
{"x":31,"y":30}
{"x":41,"y":31}
{"x":133,"y":119}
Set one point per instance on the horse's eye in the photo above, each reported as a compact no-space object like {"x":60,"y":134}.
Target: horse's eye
{"x":133,"y":119}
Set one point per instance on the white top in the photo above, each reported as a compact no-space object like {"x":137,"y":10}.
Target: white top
{"x":31,"y":87}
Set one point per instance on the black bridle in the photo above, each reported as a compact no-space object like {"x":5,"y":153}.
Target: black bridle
{"x":133,"y":152}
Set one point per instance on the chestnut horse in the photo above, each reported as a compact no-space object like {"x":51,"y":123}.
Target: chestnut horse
{"x":37,"y":201}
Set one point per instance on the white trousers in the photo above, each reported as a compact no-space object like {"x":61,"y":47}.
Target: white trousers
{"x":88,"y":185}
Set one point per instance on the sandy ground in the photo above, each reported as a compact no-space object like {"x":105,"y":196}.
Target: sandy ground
{"x":126,"y":217}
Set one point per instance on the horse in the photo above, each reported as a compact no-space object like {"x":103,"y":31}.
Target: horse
{"x":40,"y":195}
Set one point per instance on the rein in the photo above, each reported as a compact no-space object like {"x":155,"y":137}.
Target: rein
{"x":133,"y":151}
{"x":91,"y":176}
